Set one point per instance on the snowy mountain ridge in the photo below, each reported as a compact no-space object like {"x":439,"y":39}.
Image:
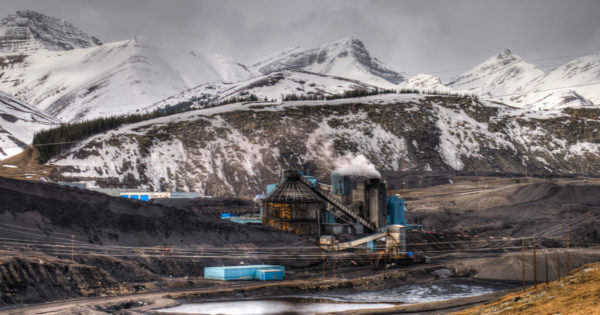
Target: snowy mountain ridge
{"x":29,"y":31}
{"x":273,"y":86}
{"x":122,"y":76}
{"x":244,"y":146}
{"x":508,"y":79}
{"x":347,"y":58}
{"x":18,"y":122}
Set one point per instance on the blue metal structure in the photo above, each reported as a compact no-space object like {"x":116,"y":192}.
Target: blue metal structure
{"x":313,"y":180}
{"x":328,"y":217}
{"x":271,"y":188}
{"x":245,"y":219}
{"x":371,"y":246}
{"x":340,"y":184}
{"x":250,"y":272}
{"x":395,"y":208}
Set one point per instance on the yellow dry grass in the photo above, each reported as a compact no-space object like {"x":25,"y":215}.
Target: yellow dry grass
{"x":578,"y":293}
{"x":25,"y":166}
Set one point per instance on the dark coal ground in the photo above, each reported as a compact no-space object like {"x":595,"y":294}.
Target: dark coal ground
{"x":117,"y":242}
{"x":547,"y":210}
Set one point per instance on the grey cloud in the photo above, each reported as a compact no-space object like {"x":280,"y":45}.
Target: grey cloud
{"x":412,"y":36}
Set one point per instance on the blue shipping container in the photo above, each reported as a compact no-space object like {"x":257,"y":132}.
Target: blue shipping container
{"x":238,"y":272}
{"x":269,"y":274}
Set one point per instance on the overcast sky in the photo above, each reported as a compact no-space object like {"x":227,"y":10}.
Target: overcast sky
{"x":411,"y":36}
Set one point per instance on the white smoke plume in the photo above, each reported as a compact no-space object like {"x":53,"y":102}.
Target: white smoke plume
{"x":350,"y":165}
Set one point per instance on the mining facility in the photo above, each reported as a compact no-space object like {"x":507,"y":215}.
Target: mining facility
{"x":351,"y":212}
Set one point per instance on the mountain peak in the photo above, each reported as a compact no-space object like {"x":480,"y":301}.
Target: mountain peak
{"x":27,"y":31}
{"x":346,"y":57}
{"x":350,"y":40}
{"x":507,"y":55}
{"x":501,"y":74}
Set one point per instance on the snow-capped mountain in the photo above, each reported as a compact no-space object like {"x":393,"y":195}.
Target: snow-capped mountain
{"x":273,"y":86}
{"x":111,"y":79}
{"x":508,"y":79}
{"x":581,"y":76}
{"x":425,"y":83}
{"x":242,"y":147}
{"x":347,"y":58}
{"x":502,"y":74}
{"x":18,"y":122}
{"x":29,"y":31}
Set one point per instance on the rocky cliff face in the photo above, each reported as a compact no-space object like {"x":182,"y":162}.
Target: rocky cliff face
{"x":28,"y":31}
{"x":239,"y":148}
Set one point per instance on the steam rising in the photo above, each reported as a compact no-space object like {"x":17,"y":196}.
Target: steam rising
{"x":359,"y":165}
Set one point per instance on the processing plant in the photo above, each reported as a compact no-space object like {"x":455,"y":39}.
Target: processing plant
{"x":355,"y":209}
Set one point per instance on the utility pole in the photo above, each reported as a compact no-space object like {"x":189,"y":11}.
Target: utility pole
{"x":546,"y":259}
{"x":72,"y":247}
{"x":568,"y":253}
{"x":334,"y":275}
{"x":323,"y":255}
{"x":557,"y":266}
{"x":523,"y":262}
{"x":534,"y":266}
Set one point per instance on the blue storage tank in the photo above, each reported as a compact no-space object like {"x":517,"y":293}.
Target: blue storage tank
{"x":269,"y":274}
{"x":249,"y":272}
{"x":340,"y":184}
{"x":395,"y":208}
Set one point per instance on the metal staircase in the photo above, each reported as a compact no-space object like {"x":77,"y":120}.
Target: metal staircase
{"x":327,"y":197}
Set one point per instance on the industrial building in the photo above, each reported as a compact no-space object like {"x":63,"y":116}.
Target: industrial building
{"x":302,"y":205}
{"x":248,"y":272}
{"x":145,"y":196}
{"x":293,"y":206}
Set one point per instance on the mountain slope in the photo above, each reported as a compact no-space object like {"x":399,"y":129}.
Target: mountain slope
{"x":507,"y":78}
{"x":425,"y":82}
{"x":502,"y":74}
{"x":111,"y":79}
{"x":237,"y":149}
{"x":581,"y":75}
{"x":270,"y":86}
{"x":347,"y":58}
{"x":29,"y":31}
{"x":18,"y":123}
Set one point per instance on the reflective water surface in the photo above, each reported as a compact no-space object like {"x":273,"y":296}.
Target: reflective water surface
{"x":332,"y":302}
